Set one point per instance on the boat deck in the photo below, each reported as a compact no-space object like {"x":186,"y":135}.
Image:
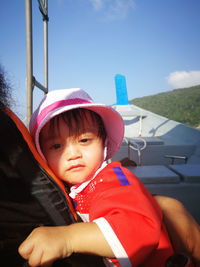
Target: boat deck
{"x":168,"y":160}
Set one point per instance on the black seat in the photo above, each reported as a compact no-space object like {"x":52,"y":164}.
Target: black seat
{"x":30,"y":195}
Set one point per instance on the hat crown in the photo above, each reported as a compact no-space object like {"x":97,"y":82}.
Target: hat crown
{"x":65,"y":94}
{"x":70,"y":94}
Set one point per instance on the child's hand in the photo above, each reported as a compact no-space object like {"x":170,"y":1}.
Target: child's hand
{"x":44,"y":245}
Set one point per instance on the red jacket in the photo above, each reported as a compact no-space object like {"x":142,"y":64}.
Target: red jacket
{"x":128,"y":216}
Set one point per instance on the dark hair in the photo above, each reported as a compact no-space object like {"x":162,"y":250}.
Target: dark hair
{"x":76,"y":119}
{"x":4,"y":90}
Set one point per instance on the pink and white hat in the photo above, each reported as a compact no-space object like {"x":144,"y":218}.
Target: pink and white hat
{"x":59,"y":101}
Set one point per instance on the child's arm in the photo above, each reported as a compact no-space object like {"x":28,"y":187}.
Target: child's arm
{"x":183,"y":230}
{"x":46,"y":244}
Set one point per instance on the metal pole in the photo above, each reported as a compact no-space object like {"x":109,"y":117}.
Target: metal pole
{"x":39,"y":85}
{"x":46,"y":47}
{"x":29,"y":55}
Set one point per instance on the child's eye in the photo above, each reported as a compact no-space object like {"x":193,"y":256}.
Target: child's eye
{"x":56,"y":146}
{"x":84,"y":140}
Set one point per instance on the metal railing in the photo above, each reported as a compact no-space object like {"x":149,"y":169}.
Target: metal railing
{"x":30,"y":79}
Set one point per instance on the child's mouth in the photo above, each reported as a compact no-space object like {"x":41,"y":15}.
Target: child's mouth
{"x":75,"y":167}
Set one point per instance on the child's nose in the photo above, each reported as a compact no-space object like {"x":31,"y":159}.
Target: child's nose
{"x":73,"y":151}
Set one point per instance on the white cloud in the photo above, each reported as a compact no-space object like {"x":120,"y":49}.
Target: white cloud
{"x":60,"y":2}
{"x":182,"y":79}
{"x":97,"y":4}
{"x":113,"y":9}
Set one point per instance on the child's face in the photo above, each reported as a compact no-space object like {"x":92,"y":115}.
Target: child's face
{"x":74,"y":159}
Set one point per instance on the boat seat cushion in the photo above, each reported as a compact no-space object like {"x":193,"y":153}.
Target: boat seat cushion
{"x":189,"y":172}
{"x":155,"y":174}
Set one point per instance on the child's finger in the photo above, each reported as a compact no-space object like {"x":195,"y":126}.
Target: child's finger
{"x":27,"y":246}
{"x":35,"y":258}
{"x":25,"y":249}
{"x":39,"y":257}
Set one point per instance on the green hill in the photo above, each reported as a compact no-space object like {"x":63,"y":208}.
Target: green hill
{"x":181,"y":105}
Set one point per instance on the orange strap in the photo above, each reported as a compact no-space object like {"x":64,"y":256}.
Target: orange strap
{"x":27,"y":137}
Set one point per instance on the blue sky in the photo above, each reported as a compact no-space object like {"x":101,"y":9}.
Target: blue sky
{"x":154,"y":43}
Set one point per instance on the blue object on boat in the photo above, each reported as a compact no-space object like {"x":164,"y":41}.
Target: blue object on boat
{"x":121,"y":90}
